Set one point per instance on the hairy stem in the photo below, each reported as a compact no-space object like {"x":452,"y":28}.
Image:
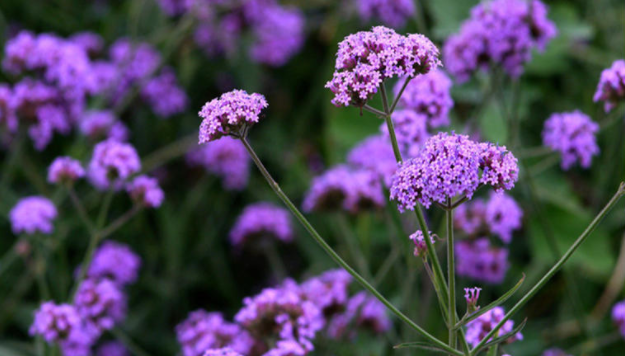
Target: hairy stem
{"x":451,"y":275}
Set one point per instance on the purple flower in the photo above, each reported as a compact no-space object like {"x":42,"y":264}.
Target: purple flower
{"x":618,"y":316}
{"x":91,"y":42}
{"x":261,"y":221}
{"x":428,"y":95}
{"x":287,"y":348}
{"x":393,"y":13}
{"x":555,"y":352}
{"x":328,"y":291}
{"x":365,"y":59}
{"x":480,"y":261}
{"x":112,"y":348}
{"x":478,"y":328}
{"x":65,"y":170}
{"x":225,"y":158}
{"x":573,"y":135}
{"x":611,"y":87}
{"x":420,"y":247}
{"x":115,"y":261}
{"x":410,"y":130}
{"x":229,"y":114}
{"x":101,"y":303}
{"x":8,"y":118}
{"x":164,"y":95}
{"x":362,"y":311}
{"x":34,"y":214}
{"x":226,"y":351}
{"x":342,"y":187}
{"x":471,"y":295}
{"x":112,"y":163}
{"x":471,"y":217}
{"x":375,"y":153}
{"x":220,"y":36}
{"x":102,"y":125}
{"x":203,"y":330}
{"x":145,"y":191}
{"x":503,"y":216}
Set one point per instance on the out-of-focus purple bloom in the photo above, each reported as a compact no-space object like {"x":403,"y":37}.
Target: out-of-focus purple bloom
{"x":91,"y":42}
{"x":618,"y":316}
{"x":611,"y":87}
{"x":375,"y":153}
{"x":175,"y":7}
{"x":365,"y":59}
{"x":220,"y":36}
{"x":573,"y":134}
{"x":329,"y":291}
{"x":146,"y":191}
{"x":481,"y":261}
{"x":261,"y":221}
{"x":555,"y":352}
{"x":503,"y":215}
{"x":410,"y":130}
{"x":362,"y":311}
{"x":226,"y":351}
{"x":102,"y":125}
{"x":226,"y":158}
{"x":112,"y":163}
{"x":393,"y":13}
{"x":112,"y":348}
{"x":7,"y":109}
{"x":470,"y":217}
{"x":115,"y":261}
{"x":164,"y":95}
{"x":428,"y":95}
{"x":229,"y":113}
{"x":203,"y":330}
{"x":420,"y":247}
{"x":478,"y":328}
{"x":343,"y":188}
{"x":100,"y":303}
{"x":136,"y":61}
{"x":65,"y":170}
{"x":287,"y":348}
{"x":34,"y":214}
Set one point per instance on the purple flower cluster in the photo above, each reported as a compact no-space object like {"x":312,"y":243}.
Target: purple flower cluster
{"x":112,"y":348}
{"x":362,"y":311}
{"x":164,"y":95}
{"x":229,"y":114}
{"x":262,"y":221}
{"x":344,"y":188}
{"x":101,"y":303}
{"x":31,"y":215}
{"x":420,"y":246}
{"x":500,"y":32}
{"x":428,"y":95}
{"x":375,"y":154}
{"x":146,"y":191}
{"x":103,"y":125}
{"x":555,"y":352}
{"x":65,"y":170}
{"x":500,"y":215}
{"x":114,"y":261}
{"x":225,"y":158}
{"x":393,"y":13}
{"x":365,"y":59}
{"x":611,"y":87}
{"x":573,"y":134}
{"x":481,"y":261}
{"x":328,"y":291}
{"x":478,"y":328}
{"x":451,"y":165}
{"x":410,"y":131}
{"x":203,"y":330}
{"x":112,"y":163}
{"x":618,"y":316}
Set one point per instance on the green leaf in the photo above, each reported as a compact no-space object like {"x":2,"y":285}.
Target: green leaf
{"x":420,"y":345}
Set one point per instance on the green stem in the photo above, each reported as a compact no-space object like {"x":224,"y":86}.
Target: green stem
{"x":119,"y":222}
{"x":620,"y":192}
{"x":127,"y":341}
{"x":451,"y":275}
{"x":387,"y":111}
{"x":82,"y":213}
{"x":351,"y":241}
{"x":273,"y":257}
{"x":315,"y":235}
{"x":401,"y":91}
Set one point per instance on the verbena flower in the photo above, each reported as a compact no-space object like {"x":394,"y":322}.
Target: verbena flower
{"x":115,"y":261}
{"x":229,"y":114}
{"x":203,"y":330}
{"x":225,"y":158}
{"x":573,"y":134}
{"x":262,"y":221}
{"x":65,"y":170}
{"x":420,"y":246}
{"x":362,"y":311}
{"x":101,"y":303}
{"x":481,"y":261}
{"x":365,"y":59}
{"x":164,"y":95}
{"x":478,"y":328}
{"x":34,"y":214}
{"x":146,"y":191}
{"x":91,"y":42}
{"x":328,"y":291}
{"x":611,"y":87}
{"x":112,"y":163}
{"x":618,"y":316}
{"x":428,"y":95}
{"x":112,"y":348}
{"x":393,"y":13}
{"x":471,"y":295}
{"x":503,"y":216}
{"x":470,"y":217}
{"x":8,"y":119}
{"x":410,"y":131}
{"x":226,"y":351}
{"x":375,"y":153}
{"x":498,"y":33}
{"x":103,"y":125}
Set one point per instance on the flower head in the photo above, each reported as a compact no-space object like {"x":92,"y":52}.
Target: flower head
{"x":611,"y":87}
{"x":481,"y":261}
{"x":393,"y":13}
{"x":164,"y":94}
{"x":503,"y":216}
{"x":329,"y":291}
{"x":555,"y":352}
{"x":618,"y":316}
{"x":65,"y":170}
{"x":375,"y":153}
{"x":115,"y":261}
{"x":471,"y":295}
{"x":362,"y":311}
{"x":112,"y":163}
{"x":34,"y":214}
{"x":573,"y":134}
{"x":470,"y":217}
{"x":103,"y":125}
{"x":61,"y":323}
{"x":146,"y":191}
{"x":420,"y":247}
{"x":203,"y":330}
{"x":262,"y":221}
{"x":410,"y":131}
{"x":101,"y":303}
{"x":480,"y":327}
{"x":428,"y":95}
{"x":112,"y":348}
{"x":225,"y":158}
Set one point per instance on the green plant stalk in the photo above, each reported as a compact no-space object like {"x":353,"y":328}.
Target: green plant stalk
{"x":451,"y":275}
{"x":593,"y":225}
{"x":315,"y":235}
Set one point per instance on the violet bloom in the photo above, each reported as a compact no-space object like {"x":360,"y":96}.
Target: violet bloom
{"x":91,"y":42}
{"x":164,"y":94}
{"x":481,"y":261}
{"x":555,"y":352}
{"x":229,"y":114}
{"x":112,"y":348}
{"x":478,"y":328}
{"x":410,"y":131}
{"x":503,"y":216}
{"x":618,"y":316}
{"x":220,"y":36}
{"x":203,"y":330}
{"x":420,"y":247}
{"x":343,"y":188}
{"x":65,"y":170}
{"x":365,"y":59}
{"x":328,"y":291}
{"x":102,"y":125}
{"x":146,"y":191}
{"x":363,"y":311}
{"x":451,"y":165}
{"x":287,"y":348}
{"x":501,"y":32}
{"x":375,"y":153}
{"x":471,"y":295}
{"x":393,"y":13}
{"x":31,"y":215}
{"x":262,"y":221}
{"x":175,"y":7}
{"x":611,"y":87}
{"x":573,"y":134}
{"x":115,"y":261}
{"x":8,"y":119}
{"x":428,"y":95}
{"x":101,"y":303}
{"x":225,"y":158}
{"x":226,"y":351}
{"x":112,"y":163}
{"x":470,"y":217}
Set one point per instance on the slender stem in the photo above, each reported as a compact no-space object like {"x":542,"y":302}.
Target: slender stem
{"x":104,"y":209}
{"x":352,"y":244}
{"x":119,"y":222}
{"x":451,"y":275}
{"x":401,"y":91}
{"x":127,"y":341}
{"x":556,"y":267}
{"x":387,"y":111}
{"x":614,"y":286}
{"x":391,"y":131}
{"x":374,"y":110}
{"x":164,"y":154}
{"x":8,"y":258}
{"x":82,"y":213}
{"x":315,"y":235}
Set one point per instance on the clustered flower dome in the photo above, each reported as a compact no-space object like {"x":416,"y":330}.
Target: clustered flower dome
{"x":410,"y":131}
{"x":393,"y":13}
{"x":573,"y":135}
{"x":31,"y":215}
{"x":112,"y":163}
{"x":100,"y":303}
{"x":203,"y":330}
{"x":146,"y":191}
{"x":618,"y":316}
{"x":365,"y":59}
{"x":428,"y":95}
{"x":225,"y":158}
{"x":65,"y":170}
{"x":481,"y":261}
{"x":478,"y":329}
{"x":262,"y":221}
{"x":375,"y":154}
{"x":498,"y":33}
{"x":115,"y":261}
{"x":164,"y":94}
{"x":611,"y":87}
{"x":329,"y":291}
{"x":229,"y":114}
{"x":500,"y":216}
{"x":362,"y":311}
{"x":100,"y":125}
{"x":451,"y":165}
